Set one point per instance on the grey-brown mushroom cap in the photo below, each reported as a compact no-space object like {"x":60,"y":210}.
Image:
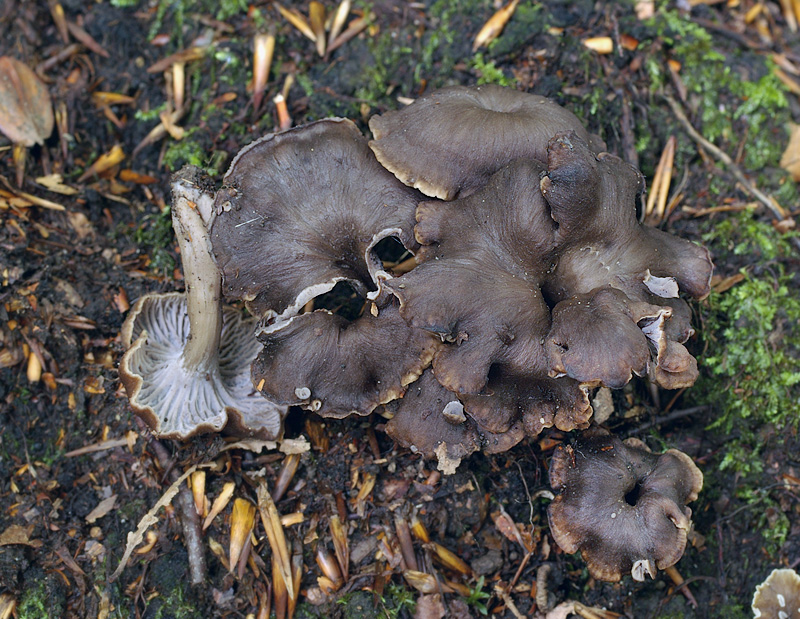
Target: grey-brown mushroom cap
{"x":478,"y":284}
{"x":177,"y":402}
{"x":430,"y":420}
{"x":302,"y":210}
{"x":592,"y":197}
{"x":336,"y":367}
{"x":448,"y":143}
{"x":596,"y":338}
{"x":621,"y":506}
{"x":778,"y":596}
{"x":524,"y":405}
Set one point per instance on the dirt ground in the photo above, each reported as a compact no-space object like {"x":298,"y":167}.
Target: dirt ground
{"x":77,"y":473}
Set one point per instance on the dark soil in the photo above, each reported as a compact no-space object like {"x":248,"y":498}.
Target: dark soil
{"x":69,"y":276}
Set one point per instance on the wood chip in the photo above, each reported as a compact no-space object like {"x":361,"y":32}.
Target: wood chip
{"x":102,"y":509}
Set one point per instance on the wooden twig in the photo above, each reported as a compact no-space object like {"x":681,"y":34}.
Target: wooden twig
{"x":190,"y":521}
{"x":667,"y":418}
{"x":773,"y":206}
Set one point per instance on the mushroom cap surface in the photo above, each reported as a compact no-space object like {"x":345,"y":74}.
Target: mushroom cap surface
{"x":448,"y":143}
{"x":483,"y":258}
{"x":621,"y":506}
{"x":778,"y":596}
{"x":337,"y":367}
{"x":431,"y":420}
{"x":179,"y":403}
{"x":302,"y":210}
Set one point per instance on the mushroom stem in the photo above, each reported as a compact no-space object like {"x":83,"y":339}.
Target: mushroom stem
{"x":191,"y":214}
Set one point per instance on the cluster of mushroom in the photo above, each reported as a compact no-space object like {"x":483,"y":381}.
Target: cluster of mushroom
{"x":534,"y":281}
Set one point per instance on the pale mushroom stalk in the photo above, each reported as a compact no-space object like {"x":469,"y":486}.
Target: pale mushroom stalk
{"x":203,"y":282}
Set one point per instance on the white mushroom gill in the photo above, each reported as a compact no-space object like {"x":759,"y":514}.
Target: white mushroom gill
{"x":187,"y":369}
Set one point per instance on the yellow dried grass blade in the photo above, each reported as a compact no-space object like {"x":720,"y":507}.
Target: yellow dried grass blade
{"x":316,"y":14}
{"x":339,"y":19}
{"x":219,"y":503}
{"x":494,"y":26}
{"x":449,"y":559}
{"x":264,"y":49}
{"x":298,"y":21}
{"x":288,"y":469}
{"x":340,"y":545}
{"x":242,"y":521}
{"x":271,"y":520}
{"x":199,"y":491}
{"x":104,"y":162}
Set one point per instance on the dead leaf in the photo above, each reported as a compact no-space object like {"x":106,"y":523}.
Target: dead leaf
{"x":105,"y":506}
{"x":26,"y":111}
{"x":81,"y":224}
{"x":16,"y":534}
{"x":104,"y":162}
{"x":429,"y":607}
{"x":790,"y":161}
{"x":54,"y":183}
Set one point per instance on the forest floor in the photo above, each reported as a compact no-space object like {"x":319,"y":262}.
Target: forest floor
{"x":77,"y":473}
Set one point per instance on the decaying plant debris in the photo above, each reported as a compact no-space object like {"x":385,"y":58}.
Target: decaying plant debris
{"x":699,"y":99}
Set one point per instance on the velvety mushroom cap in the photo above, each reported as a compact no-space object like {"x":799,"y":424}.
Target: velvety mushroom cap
{"x":600,"y":242}
{"x":621,"y":506}
{"x":178,"y":401}
{"x":597,"y":338}
{"x":431,"y":420}
{"x":302,"y":210}
{"x":478,"y":285}
{"x":778,"y":596}
{"x":336,"y":367}
{"x":538,"y":402}
{"x":449,"y":143}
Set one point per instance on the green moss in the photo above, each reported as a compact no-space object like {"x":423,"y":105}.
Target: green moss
{"x":154,"y":236}
{"x":38,"y":601}
{"x":176,"y":605}
{"x":751,"y":372}
{"x":735,"y":95}
{"x":185,"y":151}
{"x":488,"y":73}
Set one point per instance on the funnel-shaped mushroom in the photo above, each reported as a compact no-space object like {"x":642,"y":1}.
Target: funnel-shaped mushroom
{"x":778,"y":596}
{"x":187,"y":367}
{"x":448,"y":143}
{"x":484,"y":257}
{"x":621,"y":506}
{"x":302,"y":210}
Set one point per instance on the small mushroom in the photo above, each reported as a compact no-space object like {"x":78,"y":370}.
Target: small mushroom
{"x":187,"y":367}
{"x":449,"y":143}
{"x":778,"y":596}
{"x":302,"y":210}
{"x":621,"y":506}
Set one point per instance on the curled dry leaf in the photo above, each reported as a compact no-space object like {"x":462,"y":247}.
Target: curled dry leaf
{"x":790,"y":160}
{"x":26,"y":111}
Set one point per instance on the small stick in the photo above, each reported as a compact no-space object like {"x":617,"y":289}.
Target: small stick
{"x":773,"y":206}
{"x":675,"y":576}
{"x":190,"y":521}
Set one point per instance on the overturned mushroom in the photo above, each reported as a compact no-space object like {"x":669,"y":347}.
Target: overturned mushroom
{"x":778,"y":596}
{"x":302,"y":210}
{"x":621,"y":506}
{"x":187,"y":370}
{"x":448,"y":143}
